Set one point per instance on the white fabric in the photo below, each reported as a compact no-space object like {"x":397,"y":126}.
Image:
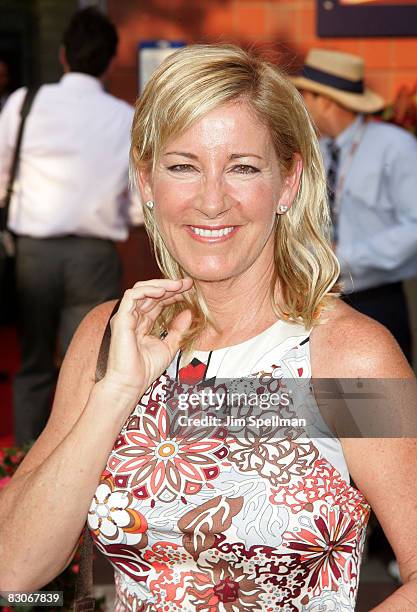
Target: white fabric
{"x":73,"y":173}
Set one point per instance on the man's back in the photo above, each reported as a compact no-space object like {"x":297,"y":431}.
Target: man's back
{"x":73,"y":164}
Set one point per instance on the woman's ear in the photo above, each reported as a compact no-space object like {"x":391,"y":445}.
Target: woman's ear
{"x":290,"y":186}
{"x":143,"y":177}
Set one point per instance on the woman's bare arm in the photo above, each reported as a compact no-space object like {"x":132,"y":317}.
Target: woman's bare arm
{"x":44,"y":507}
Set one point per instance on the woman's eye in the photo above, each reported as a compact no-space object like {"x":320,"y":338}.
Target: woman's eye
{"x":245,"y":169}
{"x":180,"y":168}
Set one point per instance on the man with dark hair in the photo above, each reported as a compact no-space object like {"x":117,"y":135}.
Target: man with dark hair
{"x":69,"y":205}
{"x":90,"y":42}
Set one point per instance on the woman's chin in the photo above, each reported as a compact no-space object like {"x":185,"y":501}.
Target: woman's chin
{"x":212,"y":275}
{"x":211,"y":269}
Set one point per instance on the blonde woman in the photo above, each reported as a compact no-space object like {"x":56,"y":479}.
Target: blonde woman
{"x":228,"y":166}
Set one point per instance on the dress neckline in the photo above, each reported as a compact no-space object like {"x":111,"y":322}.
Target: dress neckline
{"x":261,"y":334}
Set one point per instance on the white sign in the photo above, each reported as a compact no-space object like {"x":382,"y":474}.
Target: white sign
{"x":150,"y":55}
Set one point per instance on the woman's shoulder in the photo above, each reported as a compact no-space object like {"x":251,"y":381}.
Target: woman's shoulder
{"x":91,"y":328}
{"x":85,"y":345}
{"x":347,"y":344}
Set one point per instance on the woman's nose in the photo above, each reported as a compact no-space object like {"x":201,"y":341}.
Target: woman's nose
{"x":213,"y":199}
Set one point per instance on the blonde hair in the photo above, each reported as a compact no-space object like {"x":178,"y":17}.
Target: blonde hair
{"x":190,"y":83}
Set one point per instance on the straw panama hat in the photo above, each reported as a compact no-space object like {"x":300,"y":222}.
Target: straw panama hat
{"x":338,"y":76}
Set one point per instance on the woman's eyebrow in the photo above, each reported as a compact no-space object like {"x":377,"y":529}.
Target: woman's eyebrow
{"x":238,"y":155}
{"x":232,"y":156}
{"x":183,"y":154}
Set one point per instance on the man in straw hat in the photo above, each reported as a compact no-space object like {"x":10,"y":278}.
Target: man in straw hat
{"x":372,"y":188}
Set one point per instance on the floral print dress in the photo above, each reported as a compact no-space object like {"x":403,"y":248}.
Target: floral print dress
{"x":211,"y":520}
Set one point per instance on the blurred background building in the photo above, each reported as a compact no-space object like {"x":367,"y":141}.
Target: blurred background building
{"x":31,"y":30}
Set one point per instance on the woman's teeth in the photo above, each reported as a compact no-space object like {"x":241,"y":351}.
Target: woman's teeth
{"x":212,"y":233}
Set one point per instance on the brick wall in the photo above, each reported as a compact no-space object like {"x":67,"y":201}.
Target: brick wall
{"x":288,"y":26}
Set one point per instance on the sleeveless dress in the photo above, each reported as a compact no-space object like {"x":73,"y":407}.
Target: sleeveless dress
{"x":214,"y":520}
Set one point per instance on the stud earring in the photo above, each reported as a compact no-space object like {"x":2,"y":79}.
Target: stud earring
{"x":282,"y":208}
{"x":149,"y":204}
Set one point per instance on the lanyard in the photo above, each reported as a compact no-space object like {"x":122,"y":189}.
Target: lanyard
{"x":359,"y":132}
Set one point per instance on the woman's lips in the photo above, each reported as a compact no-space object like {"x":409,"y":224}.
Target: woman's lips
{"x":202,"y":233}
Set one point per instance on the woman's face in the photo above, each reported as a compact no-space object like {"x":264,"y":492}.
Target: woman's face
{"x":217,"y":189}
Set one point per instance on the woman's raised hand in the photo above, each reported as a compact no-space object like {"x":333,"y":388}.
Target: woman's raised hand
{"x":136,"y":358}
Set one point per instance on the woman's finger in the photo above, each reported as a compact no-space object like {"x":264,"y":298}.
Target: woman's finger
{"x":169,"y":298}
{"x":147,"y":290}
{"x":169,"y":283}
{"x":179,"y":326}
{"x":146,"y":321}
{"x":129,"y":303}
{"x":132,"y":296}
{"x":143,"y":298}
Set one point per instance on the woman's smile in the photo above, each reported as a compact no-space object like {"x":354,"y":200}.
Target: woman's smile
{"x":212,"y":233}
